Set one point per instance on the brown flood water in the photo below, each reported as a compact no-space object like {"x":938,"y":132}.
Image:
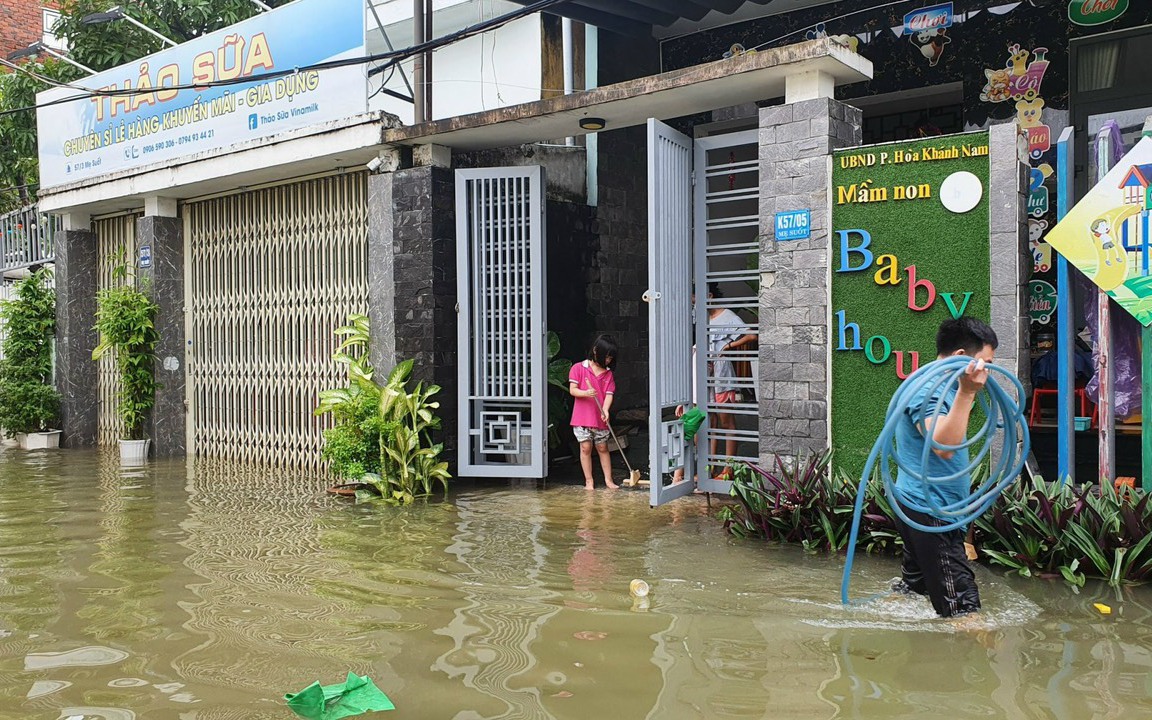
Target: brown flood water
{"x":174,"y":593}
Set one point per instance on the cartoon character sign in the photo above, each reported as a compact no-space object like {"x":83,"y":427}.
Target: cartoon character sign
{"x":1106,"y":235}
{"x":1041,"y":251}
{"x":1037,"y":192}
{"x":1029,"y":113}
{"x":1101,"y":229}
{"x":1020,"y":78}
{"x":931,"y":44}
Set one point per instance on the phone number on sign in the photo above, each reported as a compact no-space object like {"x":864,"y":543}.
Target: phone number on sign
{"x":182,"y":140}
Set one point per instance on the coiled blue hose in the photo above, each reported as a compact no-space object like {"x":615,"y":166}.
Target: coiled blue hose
{"x":1002,"y":414}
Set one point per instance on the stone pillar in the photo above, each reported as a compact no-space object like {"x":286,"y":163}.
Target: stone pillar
{"x":796,"y":142}
{"x":1008,"y":244}
{"x":412,"y":271}
{"x":160,"y":244}
{"x":76,"y":282}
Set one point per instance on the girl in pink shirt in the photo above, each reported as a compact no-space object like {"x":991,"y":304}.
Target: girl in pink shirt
{"x":593,"y":386}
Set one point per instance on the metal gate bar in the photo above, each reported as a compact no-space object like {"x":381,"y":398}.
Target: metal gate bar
{"x":272,"y":273}
{"x":115,"y":246}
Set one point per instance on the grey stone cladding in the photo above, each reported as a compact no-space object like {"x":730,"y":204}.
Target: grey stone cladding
{"x":796,"y":142}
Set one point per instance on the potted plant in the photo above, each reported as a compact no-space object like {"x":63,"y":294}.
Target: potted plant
{"x":29,"y":405}
{"x":125,"y":319}
{"x":382,"y":439}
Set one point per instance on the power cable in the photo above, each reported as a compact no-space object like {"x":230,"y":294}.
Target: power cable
{"x":392,"y":57}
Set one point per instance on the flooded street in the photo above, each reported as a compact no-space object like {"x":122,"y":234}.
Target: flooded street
{"x":168,"y":593}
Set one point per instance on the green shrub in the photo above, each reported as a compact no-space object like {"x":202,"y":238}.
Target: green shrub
{"x":1033,"y":528}
{"x":1054,"y":529}
{"x":382,"y":437}
{"x":125,"y":319}
{"x":28,"y":402}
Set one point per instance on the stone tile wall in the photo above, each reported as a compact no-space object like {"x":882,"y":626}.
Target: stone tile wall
{"x":412,"y":276}
{"x":76,"y":281}
{"x":796,"y":142}
{"x":165,"y":284}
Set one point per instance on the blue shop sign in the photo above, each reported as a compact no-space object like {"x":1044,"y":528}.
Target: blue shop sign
{"x":936,"y":17}
{"x":793,"y":225}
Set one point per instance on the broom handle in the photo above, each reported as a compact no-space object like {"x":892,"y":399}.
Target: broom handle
{"x":601,"y":409}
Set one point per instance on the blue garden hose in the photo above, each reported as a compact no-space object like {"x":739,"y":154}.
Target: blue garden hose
{"x":1002,"y":414}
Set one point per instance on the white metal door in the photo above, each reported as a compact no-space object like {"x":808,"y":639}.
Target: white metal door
{"x":500,"y":260}
{"x":727,"y":256}
{"x":669,"y":309}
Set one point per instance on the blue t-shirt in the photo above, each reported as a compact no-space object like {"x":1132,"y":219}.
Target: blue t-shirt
{"x":910,"y":448}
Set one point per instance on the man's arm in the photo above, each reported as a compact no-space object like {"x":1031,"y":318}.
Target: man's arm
{"x":952,"y":428}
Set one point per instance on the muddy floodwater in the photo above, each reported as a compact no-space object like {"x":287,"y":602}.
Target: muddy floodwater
{"x":178,"y":593}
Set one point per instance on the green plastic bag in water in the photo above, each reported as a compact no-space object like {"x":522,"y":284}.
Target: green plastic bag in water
{"x":354,"y":696}
{"x":693,"y":419}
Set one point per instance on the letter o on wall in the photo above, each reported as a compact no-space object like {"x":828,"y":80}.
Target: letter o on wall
{"x":872,"y":356}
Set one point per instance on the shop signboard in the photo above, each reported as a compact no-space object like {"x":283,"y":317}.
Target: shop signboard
{"x":1041,"y":301}
{"x":171,"y":104}
{"x":909,"y":250}
{"x":1106,"y":235}
{"x":935,"y":17}
{"x":1095,"y":12}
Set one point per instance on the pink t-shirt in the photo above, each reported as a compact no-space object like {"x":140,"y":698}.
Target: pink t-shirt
{"x":584,"y":410}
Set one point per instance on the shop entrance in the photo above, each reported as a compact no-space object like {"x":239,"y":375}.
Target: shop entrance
{"x":1111,"y":97}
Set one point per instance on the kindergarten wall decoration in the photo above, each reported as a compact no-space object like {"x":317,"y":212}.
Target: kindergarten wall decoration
{"x":902,"y":262}
{"x":1106,"y":235}
{"x":927,"y":30}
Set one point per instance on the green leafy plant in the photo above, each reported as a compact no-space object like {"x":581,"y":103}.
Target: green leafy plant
{"x":28,"y":402}
{"x":19,"y":173}
{"x":352,"y":446}
{"x":1061,"y":530}
{"x":559,"y":400}
{"x":126,"y":321}
{"x":383,"y":434}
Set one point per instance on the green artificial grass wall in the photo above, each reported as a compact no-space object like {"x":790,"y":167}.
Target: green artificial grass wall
{"x":949,"y":250}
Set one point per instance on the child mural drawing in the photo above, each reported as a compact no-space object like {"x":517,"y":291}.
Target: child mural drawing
{"x":1102,"y":233}
{"x":593,"y":387}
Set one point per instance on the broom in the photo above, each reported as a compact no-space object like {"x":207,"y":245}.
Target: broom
{"x":633,"y":475}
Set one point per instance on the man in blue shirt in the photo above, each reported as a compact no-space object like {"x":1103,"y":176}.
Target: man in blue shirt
{"x":935,"y":563}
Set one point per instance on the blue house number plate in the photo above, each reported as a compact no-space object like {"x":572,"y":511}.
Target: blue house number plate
{"x":793,"y":225}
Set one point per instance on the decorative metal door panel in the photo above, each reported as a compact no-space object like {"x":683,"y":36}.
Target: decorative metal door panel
{"x":669,"y":309}
{"x":500,"y":258}
{"x":271,"y":273}
{"x":115,"y":245}
{"x":727,"y":257}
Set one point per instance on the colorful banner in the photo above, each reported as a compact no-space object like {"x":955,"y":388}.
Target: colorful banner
{"x":1106,"y":235}
{"x":99,"y":135}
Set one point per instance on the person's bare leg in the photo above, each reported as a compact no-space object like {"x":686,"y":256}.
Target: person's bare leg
{"x":586,"y":462}
{"x":606,"y":465}
{"x":728,"y":422}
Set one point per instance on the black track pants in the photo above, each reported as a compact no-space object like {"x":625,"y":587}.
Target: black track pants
{"x":935,"y":565}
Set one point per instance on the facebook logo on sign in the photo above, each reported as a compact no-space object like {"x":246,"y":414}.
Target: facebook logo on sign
{"x":253,"y":121}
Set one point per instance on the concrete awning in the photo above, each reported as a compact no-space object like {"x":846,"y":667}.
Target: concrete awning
{"x":724,"y":83}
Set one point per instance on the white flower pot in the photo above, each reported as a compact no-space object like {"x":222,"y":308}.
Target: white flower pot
{"x":134,"y":452}
{"x":47,"y":440}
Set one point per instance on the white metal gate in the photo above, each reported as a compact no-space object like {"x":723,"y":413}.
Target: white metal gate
{"x":669,"y":308}
{"x":727,"y":254}
{"x":115,"y":246}
{"x":500,"y":261}
{"x":271,"y":274}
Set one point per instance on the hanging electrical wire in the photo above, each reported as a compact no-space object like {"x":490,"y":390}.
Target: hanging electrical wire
{"x":390,"y":59}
